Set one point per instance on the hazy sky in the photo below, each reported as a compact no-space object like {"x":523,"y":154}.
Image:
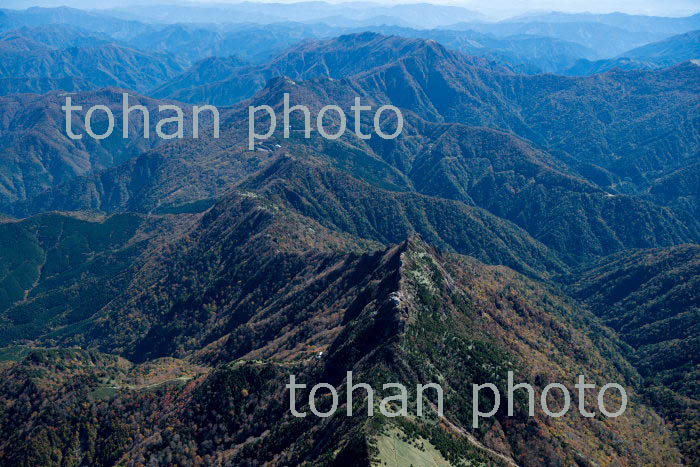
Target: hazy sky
{"x":501,"y":8}
{"x":652,"y":7}
{"x":627,"y":6}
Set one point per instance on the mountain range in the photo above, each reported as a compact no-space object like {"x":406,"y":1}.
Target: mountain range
{"x":650,"y":297}
{"x":661,"y":54}
{"x":384,"y":315}
{"x":156,"y":296}
{"x":535,"y":44}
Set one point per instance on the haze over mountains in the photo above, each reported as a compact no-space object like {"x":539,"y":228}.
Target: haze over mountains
{"x":530,"y":44}
{"x":156,"y":295}
{"x":661,"y":54}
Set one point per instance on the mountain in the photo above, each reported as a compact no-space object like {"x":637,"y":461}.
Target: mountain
{"x":422,"y":15}
{"x":479,"y":167}
{"x":91,"y":21}
{"x":441,"y":85}
{"x":412,"y":314}
{"x":446,"y":223}
{"x":662,"y":54}
{"x":540,"y":54}
{"x":340,"y":202}
{"x":63,"y":267}
{"x":253,"y":42}
{"x":336,"y":58}
{"x":156,"y":296}
{"x":524,"y":53}
{"x":258,"y":226}
{"x":187,"y":42}
{"x":37,"y":154}
{"x":42,"y":85}
{"x":100,"y":64}
{"x":184,"y":43}
{"x":608,"y":34}
{"x":55,"y":36}
{"x":172,"y":180}
{"x":509,"y":178}
{"x":637,"y":23}
{"x":679,"y":189}
{"x":267,"y":206}
{"x":670,"y":52}
{"x":261,"y":43}
{"x":587,"y":67}
{"x":490,"y":169}
{"x":651,"y":298}
{"x":474,"y":92}
{"x":207,"y":80}
{"x":205,"y":73}
{"x":605,"y":40}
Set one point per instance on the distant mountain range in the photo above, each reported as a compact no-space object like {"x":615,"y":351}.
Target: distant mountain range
{"x":545,"y":43}
{"x":98,"y":22}
{"x":661,"y":54}
{"x":670,"y":51}
{"x":334,"y":58}
{"x":634,"y":23}
{"x":423,"y":15}
{"x":472,"y":93}
{"x":95,"y":67}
